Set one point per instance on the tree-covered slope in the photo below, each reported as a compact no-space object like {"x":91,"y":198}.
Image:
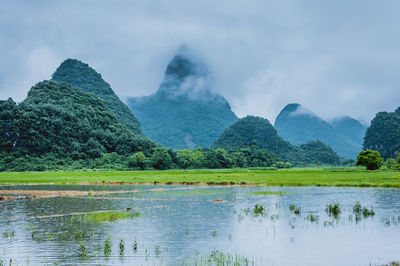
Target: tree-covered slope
{"x":184,"y":112}
{"x":65,"y":121}
{"x":299,"y":126}
{"x":259,"y":131}
{"x":383,"y":135}
{"x":83,"y":76}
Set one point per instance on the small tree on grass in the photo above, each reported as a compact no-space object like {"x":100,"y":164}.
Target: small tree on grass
{"x":371,"y":159}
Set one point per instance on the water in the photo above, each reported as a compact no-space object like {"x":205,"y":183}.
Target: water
{"x":183,"y":224}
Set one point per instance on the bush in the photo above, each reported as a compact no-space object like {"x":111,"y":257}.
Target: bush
{"x":371,"y":159}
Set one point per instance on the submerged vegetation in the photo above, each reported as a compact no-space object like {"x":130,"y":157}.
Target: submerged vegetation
{"x":109,"y":216}
{"x":333,"y":209}
{"x":266,"y":193}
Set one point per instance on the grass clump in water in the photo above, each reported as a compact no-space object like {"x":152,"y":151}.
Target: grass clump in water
{"x":83,"y":252}
{"x":121,"y":247}
{"x":110,"y":216}
{"x":259,"y":210}
{"x":295,"y":209}
{"x":107,"y":247}
{"x":217,"y":257}
{"x":333,"y":209}
{"x":313,"y":218}
{"x":358,"y":210}
{"x":267,"y":193}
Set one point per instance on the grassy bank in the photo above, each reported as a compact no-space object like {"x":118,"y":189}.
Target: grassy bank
{"x":287,"y":177}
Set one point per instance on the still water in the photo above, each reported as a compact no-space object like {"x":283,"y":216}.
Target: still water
{"x":180,"y":225}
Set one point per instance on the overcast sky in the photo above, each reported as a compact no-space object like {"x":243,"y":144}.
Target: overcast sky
{"x":334,"y":57}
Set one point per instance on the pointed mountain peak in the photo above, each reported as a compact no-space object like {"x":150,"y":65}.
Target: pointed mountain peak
{"x":291,"y":107}
{"x":187,"y":75}
{"x":185,"y":64}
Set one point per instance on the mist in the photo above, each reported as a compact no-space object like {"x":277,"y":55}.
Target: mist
{"x":334,"y":57}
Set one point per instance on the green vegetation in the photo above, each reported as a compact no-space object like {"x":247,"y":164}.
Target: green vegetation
{"x":83,"y":252}
{"x":266,"y":193}
{"x":333,"y":209}
{"x":295,"y":209}
{"x":81,"y":75}
{"x":358,"y":210}
{"x":298,"y":126}
{"x":283,"y":177}
{"x":383,"y":135}
{"x":110,"y":216}
{"x":258,"y":132}
{"x":59,"y":125}
{"x":370,"y":159}
{"x":107,"y":247}
{"x":259,"y":210}
{"x":219,"y":258}
{"x":183,"y":113}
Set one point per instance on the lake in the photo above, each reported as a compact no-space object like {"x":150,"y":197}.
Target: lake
{"x":184,"y":225}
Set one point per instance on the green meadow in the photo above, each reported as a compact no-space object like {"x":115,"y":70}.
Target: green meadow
{"x":355,"y":177}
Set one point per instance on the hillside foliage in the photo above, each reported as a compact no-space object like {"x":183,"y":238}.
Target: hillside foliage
{"x":259,"y":131}
{"x":383,"y":135}
{"x":83,"y":76}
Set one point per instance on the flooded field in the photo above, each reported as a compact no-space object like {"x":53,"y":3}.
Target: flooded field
{"x":198,"y":225}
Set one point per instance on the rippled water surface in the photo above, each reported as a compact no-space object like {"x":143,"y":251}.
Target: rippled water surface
{"x":183,"y":224}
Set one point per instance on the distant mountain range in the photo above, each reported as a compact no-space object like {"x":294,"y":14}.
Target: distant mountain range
{"x":185,"y":112}
{"x":258,"y":131}
{"x":298,"y":125}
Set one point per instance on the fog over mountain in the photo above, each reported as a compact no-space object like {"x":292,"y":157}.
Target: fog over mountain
{"x":185,"y":112}
{"x":337,"y":58}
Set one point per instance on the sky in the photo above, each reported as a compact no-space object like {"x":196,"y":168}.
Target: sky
{"x":334,"y":57}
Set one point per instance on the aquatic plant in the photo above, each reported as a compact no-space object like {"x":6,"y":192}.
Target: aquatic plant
{"x":157,"y":251}
{"x":107,"y":247}
{"x":121,"y":247}
{"x":219,"y":258}
{"x":313,"y":218}
{"x":367,"y":213}
{"x":83,"y":252}
{"x":110,"y":216}
{"x":9,"y":234}
{"x":296,"y":210}
{"x":333,"y":209}
{"x":358,"y":210}
{"x":259,"y":210}
{"x":134,"y":246}
{"x":266,"y":193}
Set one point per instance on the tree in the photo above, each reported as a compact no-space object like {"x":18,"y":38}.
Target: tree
{"x":371,"y":159}
{"x":160,"y":159}
{"x":391,"y":164}
{"x":138,"y":159}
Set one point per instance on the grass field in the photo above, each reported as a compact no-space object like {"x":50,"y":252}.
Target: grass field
{"x":284,"y":177}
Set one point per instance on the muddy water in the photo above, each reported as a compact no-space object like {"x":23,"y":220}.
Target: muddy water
{"x":181,"y":224}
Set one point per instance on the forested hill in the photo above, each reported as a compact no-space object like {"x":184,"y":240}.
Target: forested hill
{"x":66,"y":122}
{"x":83,"y":76}
{"x":259,"y":131}
{"x":298,"y":125}
{"x":184,"y":112}
{"x":384,"y":134}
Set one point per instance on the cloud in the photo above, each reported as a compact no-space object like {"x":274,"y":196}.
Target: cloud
{"x":335,"y":57}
